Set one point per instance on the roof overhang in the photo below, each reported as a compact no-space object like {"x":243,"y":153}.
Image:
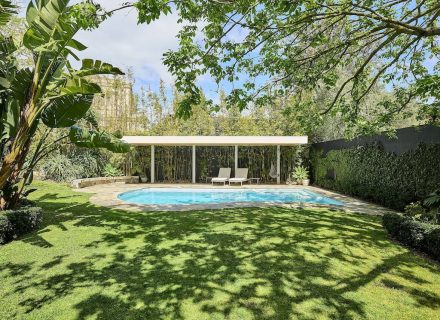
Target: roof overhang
{"x":215,"y":140}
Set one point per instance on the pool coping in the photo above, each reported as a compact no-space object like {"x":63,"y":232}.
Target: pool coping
{"x":107,"y":196}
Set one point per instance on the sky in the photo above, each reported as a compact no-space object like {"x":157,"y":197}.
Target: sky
{"x":125,"y":44}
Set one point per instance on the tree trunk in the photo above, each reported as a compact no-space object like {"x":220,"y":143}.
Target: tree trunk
{"x":13,"y":163}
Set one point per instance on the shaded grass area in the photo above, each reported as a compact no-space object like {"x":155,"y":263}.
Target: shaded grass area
{"x":89,"y":262}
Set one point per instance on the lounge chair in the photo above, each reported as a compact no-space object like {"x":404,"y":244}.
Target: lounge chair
{"x":223,"y":176}
{"x":241,"y":175}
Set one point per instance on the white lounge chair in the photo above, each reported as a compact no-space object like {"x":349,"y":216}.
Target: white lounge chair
{"x":223,"y":176}
{"x":241,"y":175}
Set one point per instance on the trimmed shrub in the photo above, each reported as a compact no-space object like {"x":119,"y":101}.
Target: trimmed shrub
{"x":14,"y":223}
{"x":6,"y":229}
{"x":412,"y":233}
{"x":419,"y":235}
{"x":392,"y":222}
{"x":432,"y":242}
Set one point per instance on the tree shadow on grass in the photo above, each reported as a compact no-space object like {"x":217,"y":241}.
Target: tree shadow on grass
{"x":269,"y":263}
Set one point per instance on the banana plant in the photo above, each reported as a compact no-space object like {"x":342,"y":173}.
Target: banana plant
{"x":52,"y":93}
{"x":433,"y":203}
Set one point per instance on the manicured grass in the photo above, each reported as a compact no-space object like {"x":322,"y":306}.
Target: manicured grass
{"x":273,"y":263}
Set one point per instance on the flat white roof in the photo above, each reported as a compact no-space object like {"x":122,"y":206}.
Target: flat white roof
{"x":215,"y":140}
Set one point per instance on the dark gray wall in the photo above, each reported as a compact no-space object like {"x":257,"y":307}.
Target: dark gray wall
{"x":407,"y":139}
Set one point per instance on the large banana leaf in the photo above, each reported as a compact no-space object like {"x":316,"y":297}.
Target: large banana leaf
{"x":71,"y":104}
{"x":64,"y":111}
{"x":7,"y":47}
{"x":79,"y":86}
{"x":9,"y":119}
{"x":7,"y":10}
{"x":46,"y":25}
{"x":7,"y":62}
{"x":21,"y":84}
{"x":96,"y":139}
{"x":90,"y":118}
{"x":93,"y":67}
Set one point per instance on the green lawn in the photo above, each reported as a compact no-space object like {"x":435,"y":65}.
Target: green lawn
{"x":89,"y":262}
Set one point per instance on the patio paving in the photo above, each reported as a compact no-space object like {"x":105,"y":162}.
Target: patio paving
{"x":107,"y":195}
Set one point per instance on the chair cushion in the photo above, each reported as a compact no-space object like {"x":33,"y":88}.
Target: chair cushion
{"x":219,"y":179}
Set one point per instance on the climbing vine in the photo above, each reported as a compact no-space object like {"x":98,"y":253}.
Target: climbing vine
{"x":371,"y":173}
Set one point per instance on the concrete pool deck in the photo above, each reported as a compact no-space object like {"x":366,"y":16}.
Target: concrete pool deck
{"x":107,"y":195}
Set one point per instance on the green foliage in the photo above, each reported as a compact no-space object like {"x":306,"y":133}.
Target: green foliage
{"x":300,"y":173}
{"x":432,"y":242}
{"x":419,"y":235}
{"x":91,"y":162}
{"x":94,"y":139}
{"x":417,"y":212}
{"x":60,"y":168}
{"x":6,"y":229}
{"x":7,"y":10}
{"x":49,"y":93}
{"x":301,"y":46}
{"x":414,"y":210}
{"x":14,"y":223}
{"x":432,"y":201}
{"x":412,"y":233}
{"x":373,"y":174}
{"x":392,"y":222}
{"x":111,"y":171}
{"x":74,"y":163}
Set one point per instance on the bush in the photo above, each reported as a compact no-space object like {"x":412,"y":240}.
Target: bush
{"x":415,"y":210}
{"x":59,"y":168}
{"x":78,"y":163}
{"x":110,"y":171}
{"x":432,"y":242}
{"x":392,"y":223}
{"x":6,"y":229}
{"x":412,"y":233}
{"x":14,"y":223}
{"x":419,"y":235}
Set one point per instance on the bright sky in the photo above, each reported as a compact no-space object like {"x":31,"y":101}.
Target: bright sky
{"x":125,"y":44}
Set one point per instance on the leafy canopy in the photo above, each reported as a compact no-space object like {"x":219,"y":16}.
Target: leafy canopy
{"x":294,"y":46}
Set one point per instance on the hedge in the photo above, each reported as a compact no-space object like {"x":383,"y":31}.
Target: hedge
{"x":422,"y":236}
{"x":373,"y":174}
{"x":14,"y":223}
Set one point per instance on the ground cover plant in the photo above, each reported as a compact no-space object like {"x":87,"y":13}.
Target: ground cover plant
{"x":272,"y":263}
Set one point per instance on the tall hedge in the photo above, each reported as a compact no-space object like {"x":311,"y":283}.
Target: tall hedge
{"x":371,"y":173}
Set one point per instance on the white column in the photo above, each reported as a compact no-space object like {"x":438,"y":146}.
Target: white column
{"x":278,"y":165}
{"x":194,"y":164}
{"x":153,"y":166}
{"x":236,"y":158}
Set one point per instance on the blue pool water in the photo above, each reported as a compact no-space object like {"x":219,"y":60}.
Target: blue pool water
{"x":180,"y":196}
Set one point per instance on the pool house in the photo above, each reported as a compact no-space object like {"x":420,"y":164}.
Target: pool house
{"x":236,"y":147}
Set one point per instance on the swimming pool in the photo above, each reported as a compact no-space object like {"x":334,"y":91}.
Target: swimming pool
{"x":180,"y":196}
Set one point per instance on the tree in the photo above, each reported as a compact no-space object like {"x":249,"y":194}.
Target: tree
{"x":294,"y":46}
{"x":51,"y":94}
